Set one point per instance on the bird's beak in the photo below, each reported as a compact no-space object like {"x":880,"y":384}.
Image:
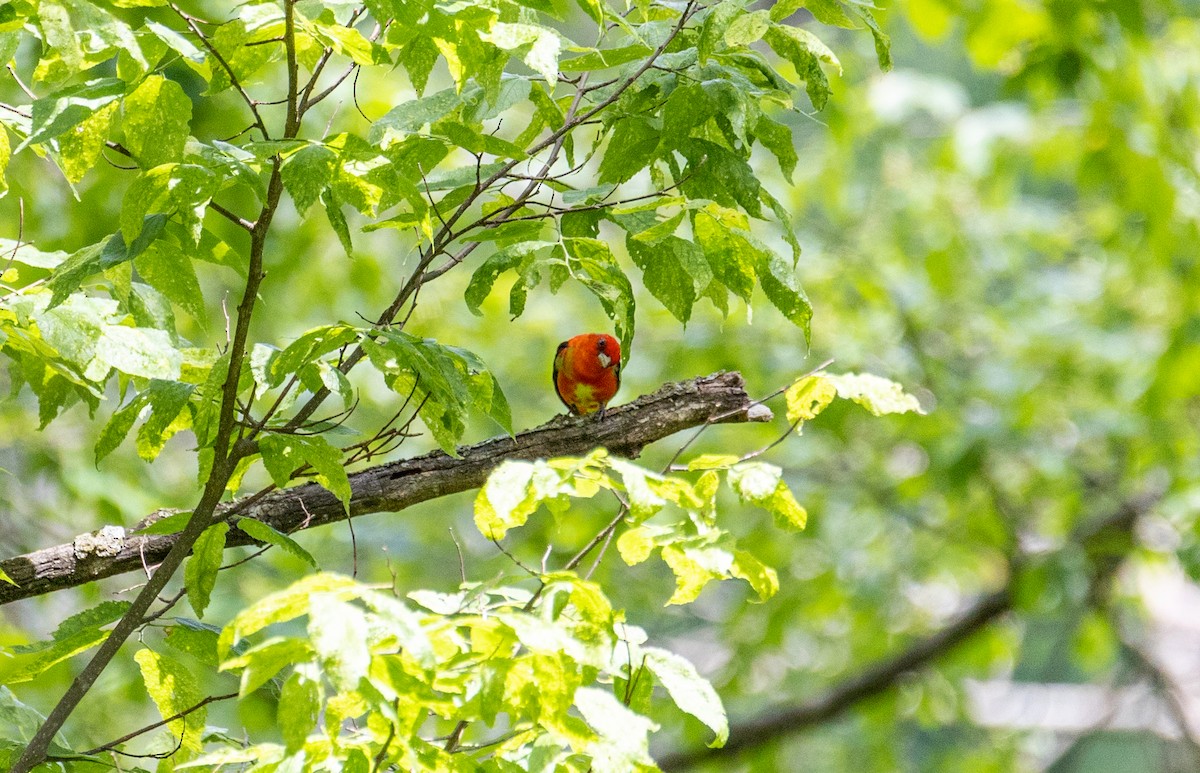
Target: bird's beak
{"x":605,"y":360}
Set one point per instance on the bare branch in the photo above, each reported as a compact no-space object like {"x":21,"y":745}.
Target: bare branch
{"x":393,"y":487}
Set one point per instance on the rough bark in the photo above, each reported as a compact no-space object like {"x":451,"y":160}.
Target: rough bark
{"x":395,"y":486}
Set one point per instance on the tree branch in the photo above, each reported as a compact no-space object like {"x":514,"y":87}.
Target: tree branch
{"x":392,"y":487}
{"x":1104,"y":539}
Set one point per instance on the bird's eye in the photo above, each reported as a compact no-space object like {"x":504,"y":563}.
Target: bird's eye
{"x":602,"y":343}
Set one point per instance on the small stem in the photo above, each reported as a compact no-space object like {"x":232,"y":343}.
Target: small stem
{"x":129,"y":736}
{"x":190,"y":21}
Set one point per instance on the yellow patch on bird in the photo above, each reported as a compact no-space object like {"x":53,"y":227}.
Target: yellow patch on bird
{"x":585,"y":398}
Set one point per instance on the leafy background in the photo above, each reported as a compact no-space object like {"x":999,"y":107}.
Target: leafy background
{"x":1005,"y":223}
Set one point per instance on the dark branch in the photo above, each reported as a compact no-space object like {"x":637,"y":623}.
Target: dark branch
{"x":393,"y":487}
{"x":873,"y":681}
{"x":1107,"y":540}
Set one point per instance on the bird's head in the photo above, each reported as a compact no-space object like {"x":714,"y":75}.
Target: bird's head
{"x":608,"y":350}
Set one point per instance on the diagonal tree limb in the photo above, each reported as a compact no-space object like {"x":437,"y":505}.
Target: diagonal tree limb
{"x":1106,"y":540}
{"x":392,"y":487}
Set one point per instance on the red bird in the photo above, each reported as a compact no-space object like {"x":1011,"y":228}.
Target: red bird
{"x":587,"y":372}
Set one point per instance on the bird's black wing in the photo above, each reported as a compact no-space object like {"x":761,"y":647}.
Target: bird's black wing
{"x":554,"y":377}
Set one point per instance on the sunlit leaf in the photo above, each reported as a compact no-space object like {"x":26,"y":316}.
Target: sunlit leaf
{"x":200,"y":572}
{"x":174,"y":690}
{"x":690,"y":692}
{"x":878,"y":395}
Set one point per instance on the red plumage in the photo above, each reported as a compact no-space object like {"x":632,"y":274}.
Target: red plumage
{"x":587,"y":372}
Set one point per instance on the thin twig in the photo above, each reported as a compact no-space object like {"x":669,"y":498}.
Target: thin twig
{"x":111,"y":745}
{"x":442,"y":240}
{"x":190,"y":21}
{"x":462,"y":565}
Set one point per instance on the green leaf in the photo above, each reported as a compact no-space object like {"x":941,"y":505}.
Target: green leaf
{"x":635,"y":545}
{"x":339,"y":634}
{"x":419,"y":57}
{"x":284,"y":454}
{"x":737,"y":257}
{"x":308,"y":348}
{"x":763,"y":485}
{"x":174,"y":690}
{"x":806,"y":52}
{"x":808,"y":397}
{"x":597,"y":269}
{"x":624,"y":736}
{"x":26,"y":254}
{"x":517,"y":257}
{"x":166,"y":268}
{"x":184,"y":190}
{"x":193,"y":56}
{"x":690,"y":691}
{"x":747,"y":28}
{"x":777,"y":138}
{"x":299,"y":708}
{"x":19,"y":723}
{"x":233,"y":40}
{"x":825,"y":11}
{"x":285,"y":605}
{"x":755,"y":481}
{"x":168,"y":400}
{"x":778,"y":280}
{"x":730,"y":255}
{"x":93,"y":259}
{"x":718,"y":20}
{"x":883,"y":43}
{"x":633,"y":145}
{"x":196,"y":639}
{"x":716,"y":173}
{"x":506,"y":500}
{"x":602,"y":59}
{"x":411,"y":116}
{"x":674,"y":271}
{"x":878,"y":395}
{"x":76,"y":634}
{"x":89,"y":619}
{"x":762,"y":578}
{"x":156,"y":119}
{"x":200,"y":574}
{"x":541,"y":46}
{"x":694,"y":569}
{"x":713,"y":462}
{"x":63,"y":110}
{"x":171,"y":524}
{"x":139,"y":351}
{"x":80,"y":147}
{"x":119,"y":424}
{"x":308,"y":172}
{"x":337,"y":220}
{"x":447,"y":382}
{"x":344,"y":41}
{"x":260,"y":664}
{"x":266,"y":533}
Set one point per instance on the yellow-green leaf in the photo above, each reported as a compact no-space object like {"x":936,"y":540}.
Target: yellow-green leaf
{"x":174,"y":690}
{"x":875,"y":393}
{"x":286,"y":605}
{"x":808,"y":397}
{"x":690,"y":691}
{"x":506,"y":501}
{"x":200,"y":574}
